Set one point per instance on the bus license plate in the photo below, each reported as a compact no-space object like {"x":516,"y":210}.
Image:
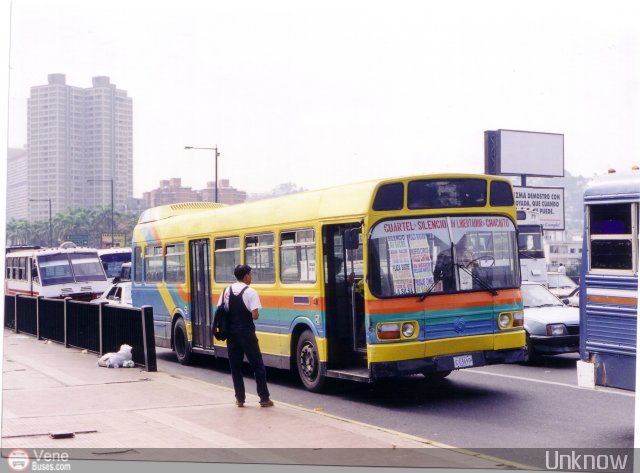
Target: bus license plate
{"x":462,"y":361}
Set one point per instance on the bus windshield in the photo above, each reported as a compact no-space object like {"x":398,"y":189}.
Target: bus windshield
{"x":414,"y":256}
{"x":113,"y":262}
{"x":55,"y":269}
{"x":530,"y":241}
{"x":87,"y":267}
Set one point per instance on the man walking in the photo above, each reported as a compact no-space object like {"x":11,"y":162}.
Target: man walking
{"x":243,"y":304}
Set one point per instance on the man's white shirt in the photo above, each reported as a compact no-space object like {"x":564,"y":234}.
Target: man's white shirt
{"x":250,"y":297}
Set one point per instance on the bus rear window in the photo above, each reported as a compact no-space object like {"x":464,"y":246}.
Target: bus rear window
{"x":611,"y":228}
{"x":610,"y":219}
{"x":445,"y":193}
{"x":611,"y":254}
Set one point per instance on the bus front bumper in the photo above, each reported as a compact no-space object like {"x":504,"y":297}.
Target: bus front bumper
{"x":443,"y":363}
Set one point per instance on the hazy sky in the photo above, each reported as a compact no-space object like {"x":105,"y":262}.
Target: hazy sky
{"x":322,"y":93}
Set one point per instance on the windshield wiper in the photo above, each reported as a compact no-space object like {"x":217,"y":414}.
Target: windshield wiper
{"x":426,"y":293}
{"x":484,"y":284}
{"x":527,"y":254}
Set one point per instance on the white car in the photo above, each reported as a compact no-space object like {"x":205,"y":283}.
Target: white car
{"x":551,"y":326}
{"x":120,"y":291}
{"x":563,"y":287}
{"x":118,"y":294}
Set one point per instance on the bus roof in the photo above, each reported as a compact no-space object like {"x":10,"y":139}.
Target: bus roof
{"x":613,"y":186}
{"x":110,"y":251}
{"x":51,"y":251}
{"x":351,"y":200}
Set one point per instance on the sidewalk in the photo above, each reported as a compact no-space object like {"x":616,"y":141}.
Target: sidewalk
{"x":130,"y":414}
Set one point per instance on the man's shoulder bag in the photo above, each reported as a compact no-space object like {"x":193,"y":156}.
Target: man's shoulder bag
{"x":221,"y":321}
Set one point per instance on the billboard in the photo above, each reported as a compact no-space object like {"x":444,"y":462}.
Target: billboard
{"x":528,"y":153}
{"x":546,"y":202}
{"x":118,"y":240}
{"x":79,"y":240}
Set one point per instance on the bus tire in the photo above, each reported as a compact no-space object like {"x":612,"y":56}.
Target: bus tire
{"x":181,"y":343}
{"x":437,"y":374}
{"x":308,"y":362}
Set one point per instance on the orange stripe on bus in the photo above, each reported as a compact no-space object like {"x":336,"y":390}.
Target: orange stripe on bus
{"x":443,"y":301}
{"x":184,"y":292}
{"x":613,"y":300}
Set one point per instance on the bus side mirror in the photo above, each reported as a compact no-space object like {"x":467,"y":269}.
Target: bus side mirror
{"x":352,"y":238}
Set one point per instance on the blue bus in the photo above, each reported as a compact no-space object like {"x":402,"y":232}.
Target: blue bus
{"x":609,"y":281}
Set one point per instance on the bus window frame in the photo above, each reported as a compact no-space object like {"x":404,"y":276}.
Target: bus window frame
{"x":256,"y":271}
{"x":297,"y":246}
{"x":138,"y":262}
{"x":149,"y":257}
{"x":166,"y":255}
{"x":214,"y":264}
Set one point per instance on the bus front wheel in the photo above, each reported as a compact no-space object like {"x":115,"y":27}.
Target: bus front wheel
{"x":181,"y":343}
{"x":308,"y":363}
{"x":436,"y":374}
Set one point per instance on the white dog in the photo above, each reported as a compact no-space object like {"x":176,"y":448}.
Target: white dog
{"x":117,"y":360}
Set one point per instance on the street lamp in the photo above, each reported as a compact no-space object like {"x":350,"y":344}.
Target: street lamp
{"x":50,"y":227}
{"x":111,"y":181}
{"x":215,"y":154}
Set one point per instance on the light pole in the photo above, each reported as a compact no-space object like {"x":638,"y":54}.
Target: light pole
{"x":215,"y":154}
{"x":111,"y":181}
{"x":50,"y":227}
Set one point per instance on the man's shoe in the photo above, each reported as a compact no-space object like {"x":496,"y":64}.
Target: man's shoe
{"x":239,"y":403}
{"x":267,"y":403}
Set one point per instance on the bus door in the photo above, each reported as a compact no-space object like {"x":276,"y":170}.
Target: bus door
{"x":201,"y":318}
{"x":342,"y":250}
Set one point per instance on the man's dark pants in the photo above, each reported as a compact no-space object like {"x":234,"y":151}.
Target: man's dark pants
{"x":240,"y":344}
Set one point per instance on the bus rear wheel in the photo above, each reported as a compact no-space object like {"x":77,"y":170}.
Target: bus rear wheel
{"x":181,"y":343}
{"x":308,"y":363}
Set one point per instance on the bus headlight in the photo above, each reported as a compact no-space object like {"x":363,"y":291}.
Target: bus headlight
{"x":504,"y":320}
{"x":518,"y":319}
{"x":388,"y":331}
{"x":408,"y":329}
{"x":554,"y":330}
{"x":510,"y":320}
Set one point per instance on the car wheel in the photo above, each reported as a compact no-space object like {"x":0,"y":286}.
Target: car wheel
{"x":530,"y":353}
{"x":308,"y":363}
{"x":181,"y":343}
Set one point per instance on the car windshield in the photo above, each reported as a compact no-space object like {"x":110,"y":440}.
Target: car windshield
{"x":535,"y":295}
{"x":560,"y":281}
{"x":415,"y":256}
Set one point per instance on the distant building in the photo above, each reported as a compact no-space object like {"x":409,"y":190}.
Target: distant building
{"x":171,"y":192}
{"x":75,"y":135}
{"x":563,"y":248}
{"x":17,"y":184}
{"x":226,"y":194}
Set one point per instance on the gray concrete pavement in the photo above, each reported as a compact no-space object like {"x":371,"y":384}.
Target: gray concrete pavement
{"x":132,"y":414}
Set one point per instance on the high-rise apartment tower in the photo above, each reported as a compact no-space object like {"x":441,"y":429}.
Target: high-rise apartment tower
{"x":79,"y":143}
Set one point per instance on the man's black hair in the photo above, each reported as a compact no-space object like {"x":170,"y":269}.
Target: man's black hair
{"x":241,"y":271}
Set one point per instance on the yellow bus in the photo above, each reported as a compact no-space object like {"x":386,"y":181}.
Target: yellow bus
{"x":376,"y":279}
